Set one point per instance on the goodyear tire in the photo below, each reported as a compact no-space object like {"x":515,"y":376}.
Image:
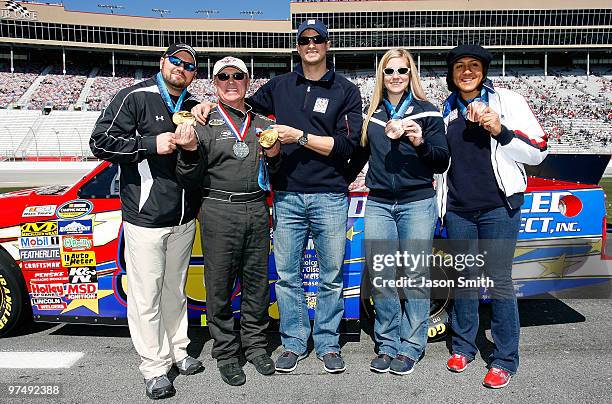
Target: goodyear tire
{"x":15,"y":309}
{"x":439,"y":318}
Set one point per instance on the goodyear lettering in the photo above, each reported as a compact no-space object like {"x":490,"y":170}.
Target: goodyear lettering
{"x":76,"y":259}
{"x":39,"y":229}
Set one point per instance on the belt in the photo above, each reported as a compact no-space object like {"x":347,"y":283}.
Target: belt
{"x":233,"y":197}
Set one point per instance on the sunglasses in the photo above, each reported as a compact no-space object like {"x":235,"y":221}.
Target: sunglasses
{"x":317,"y":39}
{"x":225,"y":77}
{"x":389,"y":71}
{"x":190,"y":67}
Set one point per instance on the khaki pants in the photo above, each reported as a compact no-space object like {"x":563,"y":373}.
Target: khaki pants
{"x":157,"y":262}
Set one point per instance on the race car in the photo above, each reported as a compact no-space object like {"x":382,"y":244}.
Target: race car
{"x":61,"y":254}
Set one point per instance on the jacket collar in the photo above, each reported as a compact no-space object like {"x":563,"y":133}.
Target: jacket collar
{"x":235,"y":111}
{"x":328,"y":76}
{"x":451,"y":101}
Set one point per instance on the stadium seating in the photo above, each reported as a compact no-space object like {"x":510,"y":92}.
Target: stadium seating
{"x":573,"y":109}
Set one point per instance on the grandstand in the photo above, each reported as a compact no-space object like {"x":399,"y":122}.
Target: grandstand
{"x":59,"y":68}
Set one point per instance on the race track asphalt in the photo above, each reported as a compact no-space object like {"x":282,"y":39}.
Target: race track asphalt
{"x":566,"y":349}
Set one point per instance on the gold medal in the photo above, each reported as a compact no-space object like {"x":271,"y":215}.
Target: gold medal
{"x":268,"y":137}
{"x":183,"y":117}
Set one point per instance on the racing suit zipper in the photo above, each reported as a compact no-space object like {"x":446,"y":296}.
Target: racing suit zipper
{"x":306,"y":98}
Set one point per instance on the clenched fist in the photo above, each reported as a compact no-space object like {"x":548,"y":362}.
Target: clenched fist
{"x":166,"y":143}
{"x":413,"y":131}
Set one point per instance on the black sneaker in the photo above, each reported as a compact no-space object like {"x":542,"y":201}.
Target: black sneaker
{"x":189,"y":366}
{"x":232,"y":374}
{"x":381,"y":363}
{"x":264,"y":364}
{"x":287,"y":362}
{"x":333,"y":363}
{"x":401,"y":365}
{"x":159,"y":387}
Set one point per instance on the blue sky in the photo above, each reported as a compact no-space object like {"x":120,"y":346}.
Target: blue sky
{"x":272,"y":9}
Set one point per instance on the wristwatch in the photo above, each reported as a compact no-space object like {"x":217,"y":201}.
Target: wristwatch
{"x":303,"y":139}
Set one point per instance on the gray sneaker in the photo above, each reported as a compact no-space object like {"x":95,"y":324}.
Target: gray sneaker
{"x":159,"y":387}
{"x":189,"y":366}
{"x":333,"y":363}
{"x":287,"y":362}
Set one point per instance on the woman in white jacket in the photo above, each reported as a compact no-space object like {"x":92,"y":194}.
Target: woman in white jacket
{"x":491,"y":134}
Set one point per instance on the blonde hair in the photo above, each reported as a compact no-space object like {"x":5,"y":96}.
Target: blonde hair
{"x":414,"y":85}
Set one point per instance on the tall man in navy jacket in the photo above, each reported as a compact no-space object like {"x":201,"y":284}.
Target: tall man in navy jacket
{"x":318,"y":115}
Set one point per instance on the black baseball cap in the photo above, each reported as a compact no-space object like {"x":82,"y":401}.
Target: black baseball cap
{"x":181,"y":47}
{"x":317,"y":25}
{"x":458,"y":52}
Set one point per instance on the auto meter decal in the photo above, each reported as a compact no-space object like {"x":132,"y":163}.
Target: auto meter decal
{"x":74,"y":209}
{"x":561,"y":214}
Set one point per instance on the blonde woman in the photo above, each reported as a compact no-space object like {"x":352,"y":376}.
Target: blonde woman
{"x":403,"y":140}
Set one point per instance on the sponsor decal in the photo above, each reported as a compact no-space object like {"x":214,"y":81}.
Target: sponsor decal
{"x":39,"y":254}
{"x":33,"y":265}
{"x":6,"y":302}
{"x":82,"y":291}
{"x":52,"y":276}
{"x":82,"y":275}
{"x":46,"y":300}
{"x":67,"y":227}
{"x":76,"y":259}
{"x":45,"y":210}
{"x":74,"y":209}
{"x":60,"y":306}
{"x":546,"y":213}
{"x":46,"y":289}
{"x":77,"y":243}
{"x":39,"y":229}
{"x":39,"y":242}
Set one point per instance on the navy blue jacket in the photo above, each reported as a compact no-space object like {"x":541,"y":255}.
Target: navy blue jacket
{"x":330,"y":106}
{"x":399,"y":171}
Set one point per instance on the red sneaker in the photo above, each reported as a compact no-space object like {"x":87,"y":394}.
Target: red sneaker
{"x":496,"y":378}
{"x":457,"y":363}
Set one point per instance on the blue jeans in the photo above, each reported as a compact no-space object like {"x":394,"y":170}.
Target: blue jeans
{"x":325,"y":216}
{"x":494,"y":231}
{"x":400,"y":325}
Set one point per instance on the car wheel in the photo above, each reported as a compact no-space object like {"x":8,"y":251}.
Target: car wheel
{"x":15,"y":309}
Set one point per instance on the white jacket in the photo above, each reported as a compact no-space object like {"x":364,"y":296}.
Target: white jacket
{"x":528,"y":145}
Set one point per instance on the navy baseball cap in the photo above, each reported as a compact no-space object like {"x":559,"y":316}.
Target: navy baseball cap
{"x":317,"y":25}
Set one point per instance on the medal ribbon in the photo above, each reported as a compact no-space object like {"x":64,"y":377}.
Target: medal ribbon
{"x":398,"y":114}
{"x":263,"y":178}
{"x":163,"y":91}
{"x":483,"y":97}
{"x":234,"y":129}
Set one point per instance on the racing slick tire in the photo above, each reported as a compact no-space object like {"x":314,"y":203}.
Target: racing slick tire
{"x":15,"y":309}
{"x":439,"y":317}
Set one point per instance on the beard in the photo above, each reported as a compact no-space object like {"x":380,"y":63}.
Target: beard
{"x":178,"y":83}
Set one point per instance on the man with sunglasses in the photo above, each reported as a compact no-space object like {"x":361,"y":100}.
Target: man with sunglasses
{"x":228,"y":165}
{"x":318,"y":115}
{"x":136,"y":131}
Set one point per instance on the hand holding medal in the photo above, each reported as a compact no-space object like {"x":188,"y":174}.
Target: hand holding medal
{"x":475,"y":111}
{"x":186,"y":137}
{"x":268,"y":137}
{"x":393,"y":129}
{"x":413,"y":131}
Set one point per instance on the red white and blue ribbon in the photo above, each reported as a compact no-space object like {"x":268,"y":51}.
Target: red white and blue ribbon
{"x":240,"y":135}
